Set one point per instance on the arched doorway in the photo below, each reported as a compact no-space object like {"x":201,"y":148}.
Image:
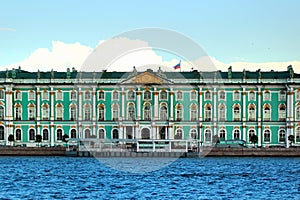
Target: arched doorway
{"x":145,"y":133}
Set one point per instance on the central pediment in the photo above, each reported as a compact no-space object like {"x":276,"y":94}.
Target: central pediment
{"x":147,"y":78}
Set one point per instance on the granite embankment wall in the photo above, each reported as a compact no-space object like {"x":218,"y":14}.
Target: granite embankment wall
{"x":210,"y":152}
{"x":32,"y":151}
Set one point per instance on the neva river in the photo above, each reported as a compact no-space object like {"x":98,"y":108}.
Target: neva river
{"x":187,"y":178}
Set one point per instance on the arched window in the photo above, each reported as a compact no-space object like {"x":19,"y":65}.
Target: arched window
{"x":163,"y":95}
{"x":236,"y":113}
{"x":179,"y":112}
{"x":45,"y":112}
{"x":236,"y":134}
{"x":207,"y":95}
{"x":207,"y":135}
{"x":222,"y":95}
{"x":18,"y":95}
{"x":73,"y":133}
{"x":101,"y":134}
{"x":1,"y":113}
{"x":267,"y":96}
{"x":115,"y":134}
{"x":1,"y":133}
{"x":101,"y":112}
{"x":59,"y":95}
{"x":31,"y":134}
{"x":281,"y":135}
{"x":251,"y":133}
{"x":115,"y":112}
{"x":59,"y":111}
{"x":207,"y":112}
{"x":298,"y":113}
{"x":163,"y":112}
{"x":87,"y":95}
{"x":73,"y":112}
{"x":267,"y":112}
{"x":147,"y":111}
{"x":131,"y":95}
{"x":282,"y":112}
{"x":297,"y":134}
{"x":251,"y":96}
{"x":267,"y":135}
{"x":194,"y":112}
{"x":59,"y":134}
{"x":222,"y":112}
{"x":179,"y":134}
{"x":18,"y":111}
{"x":45,"y":134}
{"x":101,"y":95}
{"x":87,"y":133}
{"x":73,"y":95}
{"x":251,"y":112}
{"x":18,"y":134}
{"x":115,"y":95}
{"x":31,"y":112}
{"x":222,"y":134}
{"x":147,"y":95}
{"x":194,"y":95}
{"x":179,"y":95}
{"x":131,"y":111}
{"x":194,"y":134}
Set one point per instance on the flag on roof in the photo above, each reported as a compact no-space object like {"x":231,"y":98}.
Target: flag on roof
{"x":177,"y":66}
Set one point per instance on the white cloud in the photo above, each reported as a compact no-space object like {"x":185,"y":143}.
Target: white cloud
{"x":60,"y":57}
{"x":7,"y":29}
{"x":63,"y":55}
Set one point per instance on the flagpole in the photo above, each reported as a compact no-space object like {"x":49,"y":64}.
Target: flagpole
{"x":180,"y":64}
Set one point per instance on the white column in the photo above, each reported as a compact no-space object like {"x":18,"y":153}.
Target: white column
{"x":38,"y":110}
{"x":200,"y":104}
{"x":52,"y":117}
{"x":138,"y":104}
{"x":215,"y":111}
{"x":79,"y":104}
{"x":94,"y":106}
{"x":156,"y":106}
{"x":9,"y":108}
{"x":259,"y":135}
{"x":289,"y":123}
{"x":153,"y":131}
{"x":171,"y":104}
{"x":244,"y":96}
{"x":123,"y":104}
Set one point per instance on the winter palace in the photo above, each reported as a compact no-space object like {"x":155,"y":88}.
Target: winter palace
{"x":149,"y":105}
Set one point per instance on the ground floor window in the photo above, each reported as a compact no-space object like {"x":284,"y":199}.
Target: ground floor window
{"x":59,"y":134}
{"x":178,"y":134}
{"x":18,"y":134}
{"x":87,"y":133}
{"x":267,"y":135}
{"x":281,"y":135}
{"x":45,"y":134}
{"x":207,"y":135}
{"x":73,"y":133}
{"x":101,"y":134}
{"x":31,"y":134}
{"x":236,"y":134}
{"x":115,"y":134}
{"x":1,"y":133}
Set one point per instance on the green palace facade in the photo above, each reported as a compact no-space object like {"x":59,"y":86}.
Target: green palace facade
{"x":149,"y":105}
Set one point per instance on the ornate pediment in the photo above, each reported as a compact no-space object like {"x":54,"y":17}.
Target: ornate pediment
{"x":146,"y":78}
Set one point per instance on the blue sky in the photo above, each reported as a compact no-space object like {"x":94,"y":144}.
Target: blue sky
{"x":228,"y":30}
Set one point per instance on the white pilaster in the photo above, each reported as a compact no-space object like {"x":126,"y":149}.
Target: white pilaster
{"x":259,"y":135}
{"x":138,"y":96}
{"x":156,"y":106}
{"x":171,"y":104}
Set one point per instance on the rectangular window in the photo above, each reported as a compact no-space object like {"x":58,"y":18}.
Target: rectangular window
{"x":236,"y":95}
{"x":207,"y":95}
{"x":18,"y":95}
{"x":31,"y":95}
{"x":73,"y":95}
{"x":179,"y":95}
{"x":282,"y":96}
{"x":251,"y":96}
{"x":193,"y":95}
{"x":59,"y":95}
{"x":45,"y":95}
{"x":222,"y":95}
{"x":2,"y":94}
{"x":267,"y":96}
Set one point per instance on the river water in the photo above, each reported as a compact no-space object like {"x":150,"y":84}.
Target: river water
{"x":186,"y":178}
